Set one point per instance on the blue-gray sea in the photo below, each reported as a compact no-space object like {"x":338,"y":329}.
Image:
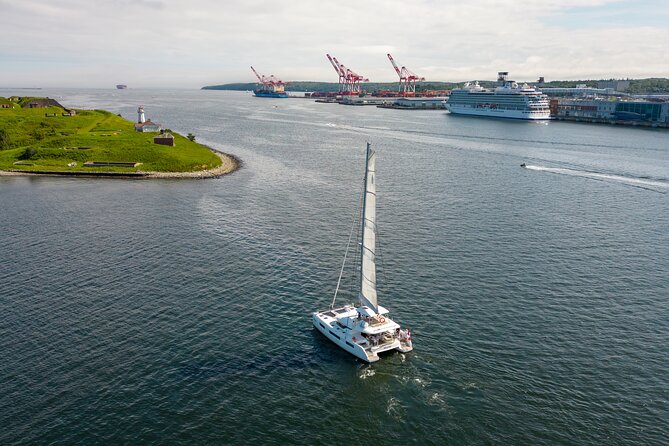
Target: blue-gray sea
{"x":179,"y":311}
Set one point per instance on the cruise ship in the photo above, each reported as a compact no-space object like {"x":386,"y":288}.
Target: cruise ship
{"x":508,"y":100}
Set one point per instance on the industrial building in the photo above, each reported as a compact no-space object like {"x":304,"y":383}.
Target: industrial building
{"x":579,"y":91}
{"x":419,"y":103}
{"x":614,"y":84}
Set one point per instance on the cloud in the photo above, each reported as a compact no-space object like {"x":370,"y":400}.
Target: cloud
{"x":190,"y":44}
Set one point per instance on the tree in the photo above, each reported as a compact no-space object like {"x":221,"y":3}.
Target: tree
{"x":191,"y":137}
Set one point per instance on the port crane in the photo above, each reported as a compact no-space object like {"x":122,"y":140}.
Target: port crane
{"x":270,"y":82}
{"x":349,"y":80}
{"x":408,"y":79}
{"x":261,"y":79}
{"x":340,"y":73}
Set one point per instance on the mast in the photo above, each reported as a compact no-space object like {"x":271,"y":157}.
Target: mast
{"x":367,"y":294}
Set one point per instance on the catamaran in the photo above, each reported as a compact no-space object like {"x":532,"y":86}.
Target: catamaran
{"x":365,"y":329}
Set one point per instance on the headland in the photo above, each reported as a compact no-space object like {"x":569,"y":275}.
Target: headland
{"x":38,"y":136}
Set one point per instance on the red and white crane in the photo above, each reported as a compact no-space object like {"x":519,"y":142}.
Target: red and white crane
{"x":270,"y":82}
{"x":349,"y":80}
{"x":340,"y":73}
{"x":408,"y":78}
{"x":261,"y":79}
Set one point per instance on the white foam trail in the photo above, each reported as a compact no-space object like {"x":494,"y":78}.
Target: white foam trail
{"x":367,"y":373}
{"x":637,"y":182}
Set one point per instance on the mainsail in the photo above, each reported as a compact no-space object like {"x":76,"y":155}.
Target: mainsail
{"x":368,"y":254}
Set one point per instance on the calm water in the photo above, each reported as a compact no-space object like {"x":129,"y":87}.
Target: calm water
{"x":178,"y":312}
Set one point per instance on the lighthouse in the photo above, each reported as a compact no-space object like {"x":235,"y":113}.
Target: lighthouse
{"x":140,"y":115}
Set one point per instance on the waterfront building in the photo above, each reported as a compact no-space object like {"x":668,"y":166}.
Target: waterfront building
{"x":586,"y":108}
{"x":621,"y":111}
{"x":420,"y":102}
{"x":643,"y":110}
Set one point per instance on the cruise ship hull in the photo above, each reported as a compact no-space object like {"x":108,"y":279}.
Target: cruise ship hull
{"x":498,"y":113}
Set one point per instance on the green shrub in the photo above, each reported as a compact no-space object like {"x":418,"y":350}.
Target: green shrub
{"x":28,"y":153}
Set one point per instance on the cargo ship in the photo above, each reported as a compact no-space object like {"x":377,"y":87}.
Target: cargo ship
{"x":270,"y":93}
{"x":269,"y":86}
{"x":508,"y":100}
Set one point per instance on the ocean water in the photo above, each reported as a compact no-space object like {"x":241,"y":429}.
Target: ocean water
{"x":178,"y":311}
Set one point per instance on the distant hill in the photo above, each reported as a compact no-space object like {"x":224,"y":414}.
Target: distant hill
{"x":653,"y":85}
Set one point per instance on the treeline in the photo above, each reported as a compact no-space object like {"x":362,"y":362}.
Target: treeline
{"x":649,"y":86}
{"x":637,"y":86}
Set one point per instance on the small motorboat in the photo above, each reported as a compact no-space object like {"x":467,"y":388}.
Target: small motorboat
{"x":523,"y":165}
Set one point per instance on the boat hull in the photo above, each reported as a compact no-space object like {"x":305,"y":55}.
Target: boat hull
{"x":354,"y":342}
{"x":351,"y":347}
{"x":265,"y":94}
{"x":530,"y":115}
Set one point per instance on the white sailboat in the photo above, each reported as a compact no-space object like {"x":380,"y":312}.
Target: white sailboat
{"x":365,"y":329}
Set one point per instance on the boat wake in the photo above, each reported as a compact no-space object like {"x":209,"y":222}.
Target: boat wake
{"x":643,"y":183}
{"x":367,"y":373}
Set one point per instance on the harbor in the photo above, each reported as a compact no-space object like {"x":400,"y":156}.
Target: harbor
{"x":394,"y":223}
{"x":512,"y":280}
{"x":604,"y":103}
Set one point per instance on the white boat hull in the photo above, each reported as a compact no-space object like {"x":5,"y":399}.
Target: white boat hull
{"x":354,"y":341}
{"x":458,"y":109}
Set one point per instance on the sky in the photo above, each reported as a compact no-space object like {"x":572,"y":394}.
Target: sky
{"x":189,"y":44}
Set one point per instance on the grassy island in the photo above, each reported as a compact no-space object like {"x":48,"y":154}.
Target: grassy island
{"x":51,"y":139}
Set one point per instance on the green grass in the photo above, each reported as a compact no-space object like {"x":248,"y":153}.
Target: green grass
{"x":109,"y":137}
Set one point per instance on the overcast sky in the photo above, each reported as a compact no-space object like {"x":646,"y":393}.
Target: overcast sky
{"x":173,"y":43}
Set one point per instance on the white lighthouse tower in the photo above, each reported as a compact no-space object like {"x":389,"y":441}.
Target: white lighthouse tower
{"x":140,"y":115}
